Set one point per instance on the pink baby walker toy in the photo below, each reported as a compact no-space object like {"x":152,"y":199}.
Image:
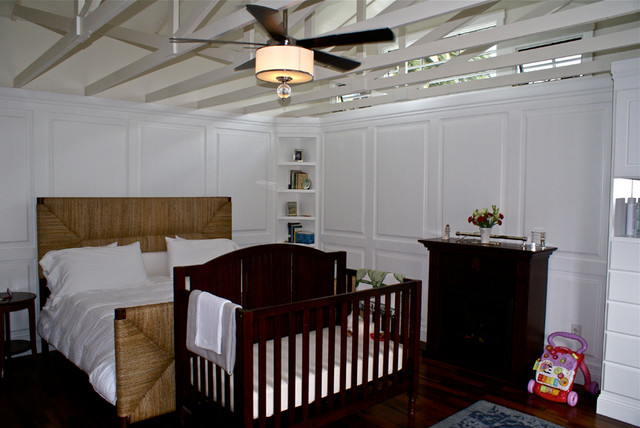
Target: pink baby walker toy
{"x":556,"y":371}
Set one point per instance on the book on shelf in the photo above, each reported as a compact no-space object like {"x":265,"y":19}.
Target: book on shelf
{"x":298,"y":235}
{"x":297,"y":178}
{"x":302,"y":236}
{"x":292,"y":227}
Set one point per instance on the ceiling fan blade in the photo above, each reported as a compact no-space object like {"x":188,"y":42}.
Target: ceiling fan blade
{"x":267,"y":18}
{"x":246,"y":65}
{"x":334,"y":61}
{"x":235,"y":42}
{"x":356,"y":38}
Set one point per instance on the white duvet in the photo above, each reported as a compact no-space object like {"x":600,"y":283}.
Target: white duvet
{"x":80,"y":327}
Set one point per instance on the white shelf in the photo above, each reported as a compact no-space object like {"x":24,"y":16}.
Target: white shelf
{"x":292,"y":163}
{"x":306,"y":199}
{"x":310,"y":191}
{"x":297,"y":218}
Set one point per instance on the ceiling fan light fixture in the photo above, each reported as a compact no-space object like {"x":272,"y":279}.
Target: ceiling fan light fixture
{"x":293,"y":63}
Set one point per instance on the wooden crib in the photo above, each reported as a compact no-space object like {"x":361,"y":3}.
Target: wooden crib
{"x":297,"y":322}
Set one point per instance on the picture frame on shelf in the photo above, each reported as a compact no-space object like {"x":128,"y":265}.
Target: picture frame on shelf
{"x":298,"y":155}
{"x":292,"y":208}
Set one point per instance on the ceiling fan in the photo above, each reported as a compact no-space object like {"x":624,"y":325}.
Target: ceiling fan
{"x":287,"y":60}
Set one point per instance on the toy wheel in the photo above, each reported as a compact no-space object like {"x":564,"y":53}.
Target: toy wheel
{"x":530,"y":386}
{"x":593,"y":388}
{"x":572,"y":399}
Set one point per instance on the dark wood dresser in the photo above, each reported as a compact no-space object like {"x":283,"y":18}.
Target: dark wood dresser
{"x":486,"y":309}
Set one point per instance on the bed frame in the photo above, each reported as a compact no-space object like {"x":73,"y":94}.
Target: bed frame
{"x":286,"y":290}
{"x":144,"y":334}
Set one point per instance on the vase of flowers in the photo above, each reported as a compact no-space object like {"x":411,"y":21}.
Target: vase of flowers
{"x":485,"y":220}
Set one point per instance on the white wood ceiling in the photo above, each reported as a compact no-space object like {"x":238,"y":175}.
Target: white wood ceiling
{"x":120,"y":48}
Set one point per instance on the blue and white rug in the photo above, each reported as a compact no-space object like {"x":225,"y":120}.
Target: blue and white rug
{"x":484,"y":414}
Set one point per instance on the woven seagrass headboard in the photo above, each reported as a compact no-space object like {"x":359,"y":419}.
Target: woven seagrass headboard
{"x":79,"y":222}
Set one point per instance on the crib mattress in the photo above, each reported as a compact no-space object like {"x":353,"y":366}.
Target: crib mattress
{"x":312,"y":373}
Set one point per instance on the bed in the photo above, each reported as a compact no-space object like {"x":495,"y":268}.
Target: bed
{"x":122,"y":337}
{"x":296,"y":317}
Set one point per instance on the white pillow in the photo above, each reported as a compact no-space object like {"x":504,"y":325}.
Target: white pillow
{"x":73,"y":270}
{"x":188,"y":252}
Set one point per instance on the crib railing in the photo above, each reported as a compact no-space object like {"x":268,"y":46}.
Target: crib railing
{"x":343,"y":353}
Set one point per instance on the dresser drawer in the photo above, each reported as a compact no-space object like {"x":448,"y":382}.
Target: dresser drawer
{"x":621,"y":379}
{"x":625,"y":254}
{"x":623,"y":318}
{"x":624,"y":287}
{"x":622,"y":349}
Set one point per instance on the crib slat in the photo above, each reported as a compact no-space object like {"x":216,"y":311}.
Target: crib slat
{"x":305,"y":364}
{"x":262,"y":372}
{"x":365,"y":349}
{"x":318,"y":361}
{"x":376,"y":342}
{"x":331,"y":356}
{"x":405,"y":327}
{"x":343,"y":351}
{"x":354,"y":343}
{"x":396,"y":335}
{"x":291,"y":384}
{"x":387,"y":334}
{"x":277,"y":370}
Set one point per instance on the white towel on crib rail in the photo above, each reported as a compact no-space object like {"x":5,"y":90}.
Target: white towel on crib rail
{"x":209,"y":321}
{"x":211,"y":328}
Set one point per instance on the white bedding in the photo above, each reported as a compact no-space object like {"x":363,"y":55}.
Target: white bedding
{"x":81,"y":327}
{"x":311,"y":375}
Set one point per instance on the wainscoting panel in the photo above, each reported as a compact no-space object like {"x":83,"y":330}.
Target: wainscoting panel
{"x":15,"y":177}
{"x":89,"y":156}
{"x":355,"y":255}
{"x":562,"y":312}
{"x":400,"y":159}
{"x":243,"y":172}
{"x":565,"y":145}
{"x":474,"y":156}
{"x":413,"y":266}
{"x":345,"y":184}
{"x":172,"y":160}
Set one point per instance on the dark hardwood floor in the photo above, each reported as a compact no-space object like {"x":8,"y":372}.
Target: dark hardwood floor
{"x":54,"y":394}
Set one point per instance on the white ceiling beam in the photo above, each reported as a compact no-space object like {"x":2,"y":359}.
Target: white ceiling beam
{"x":411,"y":14}
{"x":627,"y":38}
{"x":6,"y":7}
{"x":62,"y":25}
{"x":198,"y":82}
{"x":59,"y":24}
{"x":165,"y":55}
{"x":413,"y":93}
{"x":105,"y":13}
{"x":604,"y":9}
{"x":85,"y":7}
{"x":222,"y":74}
{"x":197,"y":16}
{"x":588,"y":14}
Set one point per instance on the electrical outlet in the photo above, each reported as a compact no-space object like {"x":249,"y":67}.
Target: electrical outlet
{"x":576,"y":329}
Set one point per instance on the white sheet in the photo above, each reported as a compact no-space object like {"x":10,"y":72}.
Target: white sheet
{"x":311,"y":375}
{"x":81,"y":327}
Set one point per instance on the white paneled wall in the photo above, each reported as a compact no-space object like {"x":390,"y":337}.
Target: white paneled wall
{"x":399,"y":173}
{"x":390,"y":175}
{"x":55,"y":145}
{"x":172,"y":160}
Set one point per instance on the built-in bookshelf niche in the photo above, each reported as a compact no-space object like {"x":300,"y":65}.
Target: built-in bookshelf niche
{"x":297,"y":189}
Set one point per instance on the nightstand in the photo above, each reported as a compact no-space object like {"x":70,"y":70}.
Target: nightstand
{"x":10,"y":347}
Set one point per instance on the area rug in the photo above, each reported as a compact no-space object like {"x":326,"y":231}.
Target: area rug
{"x":484,"y":414}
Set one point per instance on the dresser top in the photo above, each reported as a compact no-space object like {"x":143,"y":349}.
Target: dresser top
{"x":466,"y":244}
